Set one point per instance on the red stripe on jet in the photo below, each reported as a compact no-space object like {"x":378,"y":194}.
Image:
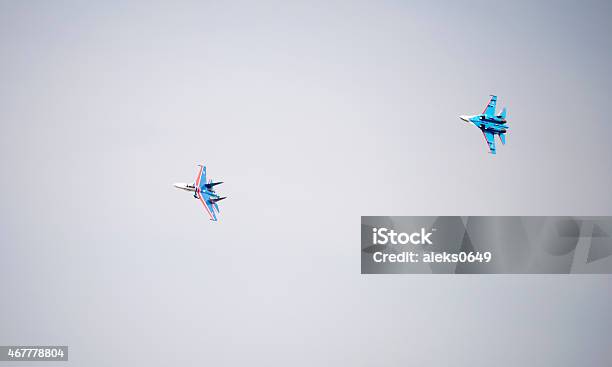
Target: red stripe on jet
{"x":199,"y":176}
{"x":205,"y":206}
{"x":483,"y":111}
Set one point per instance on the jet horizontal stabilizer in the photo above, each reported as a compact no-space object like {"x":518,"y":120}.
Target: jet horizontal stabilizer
{"x":214,"y":200}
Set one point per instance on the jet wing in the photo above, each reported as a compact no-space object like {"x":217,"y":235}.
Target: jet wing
{"x":201,"y":177}
{"x":204,"y":198}
{"x":490,"y":109}
{"x":490,"y":138}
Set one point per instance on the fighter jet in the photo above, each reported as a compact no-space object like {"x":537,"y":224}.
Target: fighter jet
{"x":204,"y":192}
{"x":490,"y":124}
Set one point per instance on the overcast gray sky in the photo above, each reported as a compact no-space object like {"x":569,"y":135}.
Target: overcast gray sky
{"x":313,"y":113}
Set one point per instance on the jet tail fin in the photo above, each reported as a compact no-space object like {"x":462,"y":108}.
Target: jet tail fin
{"x":502,"y":137}
{"x":502,"y":115}
{"x":214,"y":200}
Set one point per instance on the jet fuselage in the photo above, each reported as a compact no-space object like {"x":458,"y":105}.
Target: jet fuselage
{"x":493,"y":124}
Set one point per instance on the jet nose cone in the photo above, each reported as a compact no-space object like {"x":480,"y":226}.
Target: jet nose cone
{"x":178,"y":185}
{"x":465,"y":118}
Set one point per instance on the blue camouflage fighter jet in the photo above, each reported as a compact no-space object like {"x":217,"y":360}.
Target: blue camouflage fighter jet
{"x":204,"y":191}
{"x":490,"y":124}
